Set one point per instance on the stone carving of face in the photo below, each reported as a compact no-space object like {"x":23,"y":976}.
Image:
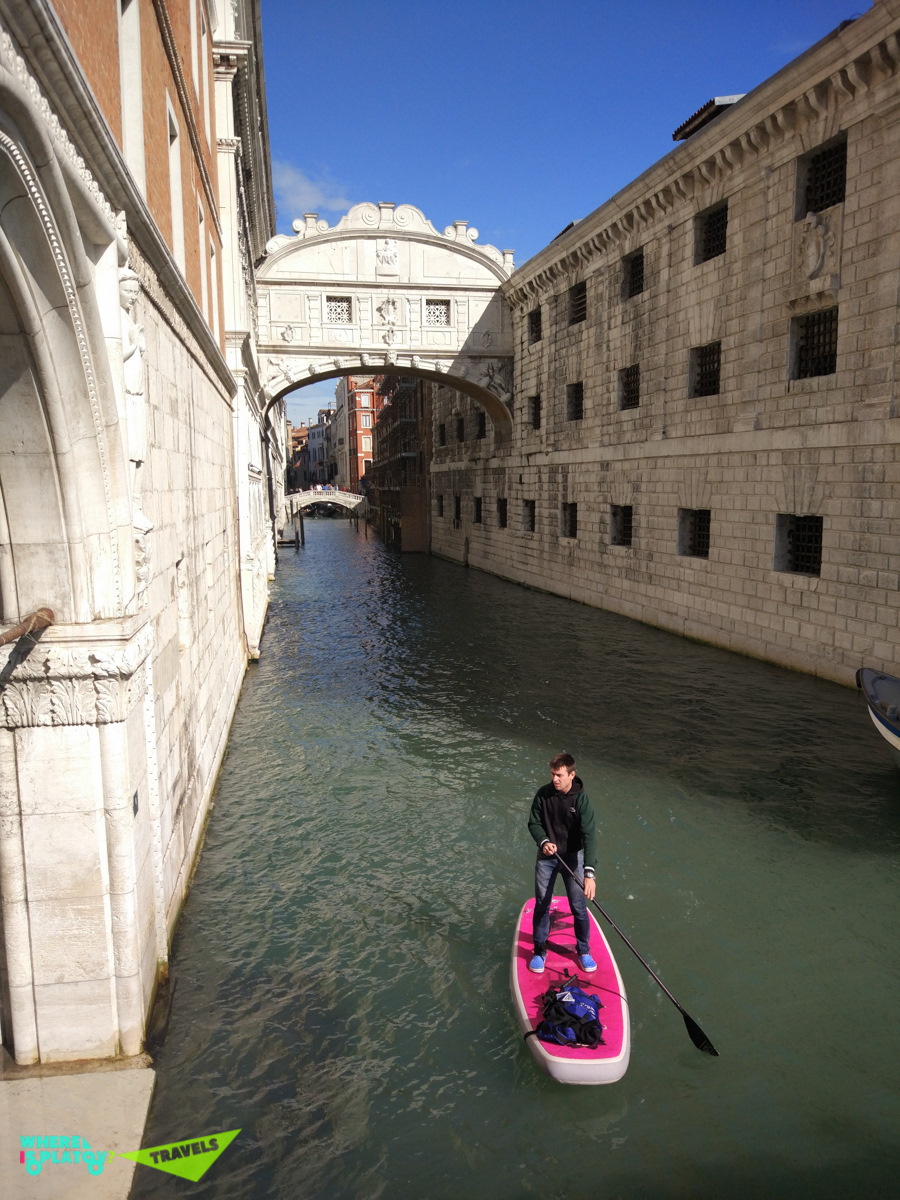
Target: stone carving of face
{"x":129,"y":290}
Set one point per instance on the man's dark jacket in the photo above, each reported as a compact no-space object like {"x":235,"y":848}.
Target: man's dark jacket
{"x":566,"y":818}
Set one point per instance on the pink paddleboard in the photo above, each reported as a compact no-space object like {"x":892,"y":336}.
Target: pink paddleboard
{"x":579,"y":1064}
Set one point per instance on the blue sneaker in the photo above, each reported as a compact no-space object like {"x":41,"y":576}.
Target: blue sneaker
{"x":587,"y":963}
{"x":537,"y":964}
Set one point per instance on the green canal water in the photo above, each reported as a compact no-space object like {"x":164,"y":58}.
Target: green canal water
{"x":343,"y":961}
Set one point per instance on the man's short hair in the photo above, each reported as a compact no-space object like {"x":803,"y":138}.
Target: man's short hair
{"x":562,"y":760}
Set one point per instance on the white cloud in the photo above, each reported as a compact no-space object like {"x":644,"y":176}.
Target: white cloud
{"x":296,"y":193}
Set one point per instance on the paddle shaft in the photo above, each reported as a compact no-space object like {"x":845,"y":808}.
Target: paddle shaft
{"x":697,"y":1036}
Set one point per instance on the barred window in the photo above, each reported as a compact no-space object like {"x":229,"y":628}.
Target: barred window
{"x":442,"y":434}
{"x":798,"y":544}
{"x":440,"y":506}
{"x":568,"y":521}
{"x":630,"y":386}
{"x":482,"y":424}
{"x":826,"y":177}
{"x":338,"y":310}
{"x":634,"y":274}
{"x":693,"y":532}
{"x":577,"y":303}
{"x":476,"y":517}
{"x":621,"y":524}
{"x":460,"y":429}
{"x":457,"y":508}
{"x":711,"y":233}
{"x":574,"y":401}
{"x":816,"y":344}
{"x":501,"y":511}
{"x":528,"y":516}
{"x":535,"y":326}
{"x":437,"y":312}
{"x":705,"y":370}
{"x":534,"y":411}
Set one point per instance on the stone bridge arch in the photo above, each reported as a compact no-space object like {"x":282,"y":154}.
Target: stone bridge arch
{"x":383,"y":291}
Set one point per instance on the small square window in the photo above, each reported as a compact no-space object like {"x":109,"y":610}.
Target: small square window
{"x":534,"y":411}
{"x":528,"y":516}
{"x":574,"y":401}
{"x":501,"y":511}
{"x":822,"y":179}
{"x":437,"y":312}
{"x":621,"y":524}
{"x":440,"y":506}
{"x":693,"y":532}
{"x":634,"y":274}
{"x":568,"y":521}
{"x":815,"y":340}
{"x":711,"y":233}
{"x":798,"y":544}
{"x":442,"y":434}
{"x":482,"y":424}
{"x":577,"y":303}
{"x":630,"y":386}
{"x":338,"y":310}
{"x":460,"y":429}
{"x":705,"y":370}
{"x":535,"y":327}
{"x":476,"y":517}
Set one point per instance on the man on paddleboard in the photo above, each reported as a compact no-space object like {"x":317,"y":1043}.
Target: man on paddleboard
{"x":562,"y":822}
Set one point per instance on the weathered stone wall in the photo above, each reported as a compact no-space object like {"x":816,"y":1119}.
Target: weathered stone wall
{"x":766,"y":442}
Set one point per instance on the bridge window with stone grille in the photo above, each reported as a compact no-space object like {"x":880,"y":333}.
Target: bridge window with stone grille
{"x":535,"y":326}
{"x":815,"y":341}
{"x":577,"y":303}
{"x":822,"y":179}
{"x":798,"y":544}
{"x":630,"y":386}
{"x":693,"y":532}
{"x":568,"y":522}
{"x":338,"y":310}
{"x":634,"y":274}
{"x":711,"y":233}
{"x":501,"y":512}
{"x":437,"y":312}
{"x":621,"y":524}
{"x":575,"y":401}
{"x":528,"y":516}
{"x":705,"y":370}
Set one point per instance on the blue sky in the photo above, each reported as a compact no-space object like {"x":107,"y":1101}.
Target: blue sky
{"x":514,"y":115}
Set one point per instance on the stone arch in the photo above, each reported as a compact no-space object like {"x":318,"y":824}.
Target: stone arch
{"x":65,"y":526}
{"x":385,"y":292}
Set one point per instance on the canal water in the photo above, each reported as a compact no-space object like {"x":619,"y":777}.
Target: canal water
{"x":343,"y":961}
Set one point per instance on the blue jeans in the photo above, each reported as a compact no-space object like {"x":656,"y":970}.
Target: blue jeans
{"x":545,"y":872}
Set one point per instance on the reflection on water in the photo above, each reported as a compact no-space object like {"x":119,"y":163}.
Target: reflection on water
{"x":342,"y":964}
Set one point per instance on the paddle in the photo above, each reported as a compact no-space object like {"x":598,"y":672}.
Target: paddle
{"x":696,"y":1034}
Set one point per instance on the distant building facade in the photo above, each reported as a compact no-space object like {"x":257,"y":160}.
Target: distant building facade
{"x":400,"y":490}
{"x":705,"y":424}
{"x":358,"y":402}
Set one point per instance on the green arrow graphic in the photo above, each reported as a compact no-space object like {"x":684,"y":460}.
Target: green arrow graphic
{"x":190,"y":1158}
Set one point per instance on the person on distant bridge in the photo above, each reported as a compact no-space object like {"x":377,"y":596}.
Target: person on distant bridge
{"x":562,"y":822}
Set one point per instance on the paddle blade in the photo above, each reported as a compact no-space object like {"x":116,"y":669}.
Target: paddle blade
{"x":698,"y":1037}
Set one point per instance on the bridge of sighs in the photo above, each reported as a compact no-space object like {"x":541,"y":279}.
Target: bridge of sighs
{"x":384,"y":291}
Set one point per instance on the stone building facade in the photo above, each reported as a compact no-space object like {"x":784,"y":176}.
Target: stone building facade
{"x":126,"y":247}
{"x":705,"y":423}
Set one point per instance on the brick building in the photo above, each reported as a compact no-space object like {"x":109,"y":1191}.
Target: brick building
{"x":357,"y":404}
{"x":705,"y":429}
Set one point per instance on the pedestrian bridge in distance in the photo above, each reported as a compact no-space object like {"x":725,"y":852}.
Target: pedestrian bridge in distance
{"x":295,"y":500}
